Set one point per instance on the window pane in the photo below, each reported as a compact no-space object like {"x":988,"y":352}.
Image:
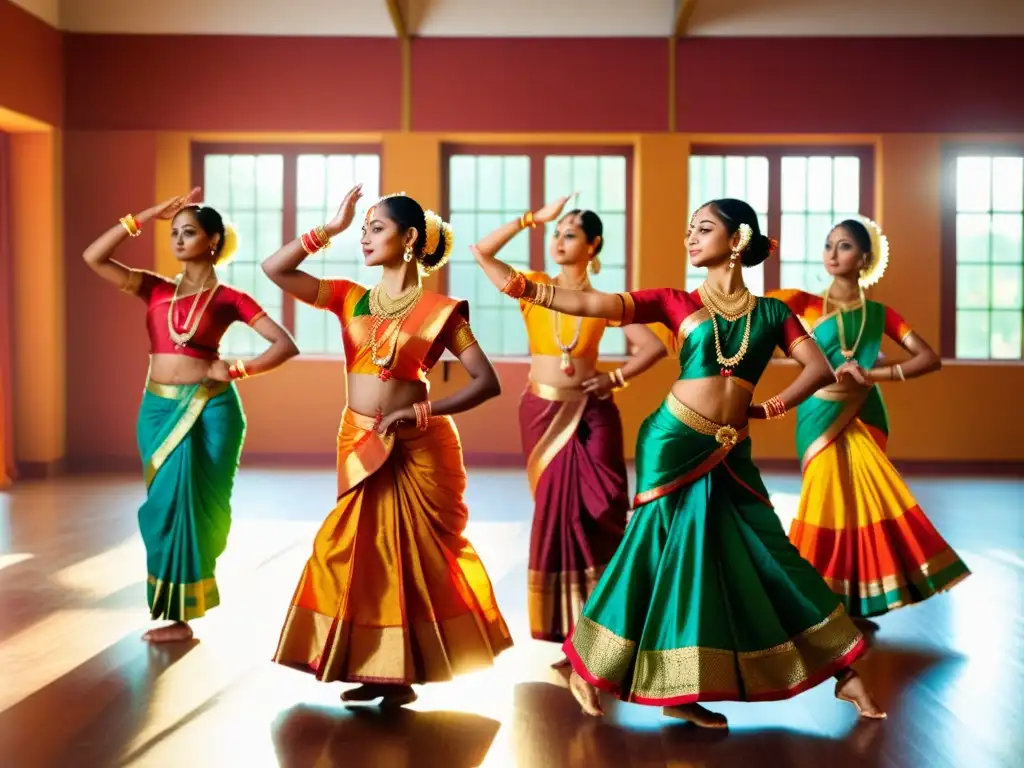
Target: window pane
{"x":484,"y":193}
{"x":973,"y":184}
{"x":248,"y":191}
{"x":322,"y":182}
{"x":972,"y":286}
{"x":794,"y":184}
{"x":846,"y":180}
{"x":1006,"y":239}
{"x":793,"y":239}
{"x":1006,"y":335}
{"x":1006,"y":286}
{"x":972,"y":334}
{"x":972,"y":237}
{"x":613,"y":186}
{"x":1008,"y":183}
{"x":819,"y":184}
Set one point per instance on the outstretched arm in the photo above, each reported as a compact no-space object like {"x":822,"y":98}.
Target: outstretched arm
{"x":98,"y":254}
{"x":282,"y":267}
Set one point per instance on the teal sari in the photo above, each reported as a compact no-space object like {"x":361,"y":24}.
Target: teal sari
{"x":190,"y":440}
{"x":706,"y":599}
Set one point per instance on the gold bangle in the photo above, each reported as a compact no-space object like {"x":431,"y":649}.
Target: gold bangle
{"x":131,"y":226}
{"x":526,"y":220}
{"x":321,"y":234}
{"x":899,"y":371}
{"x":242,"y":373}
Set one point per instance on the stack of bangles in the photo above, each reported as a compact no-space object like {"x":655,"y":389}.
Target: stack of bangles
{"x":526,"y":220}
{"x":774,"y":408}
{"x":131,"y":226}
{"x":515,"y":288}
{"x":618,"y":379}
{"x":422,"y":410}
{"x":237,"y":370}
{"x":315,"y":240}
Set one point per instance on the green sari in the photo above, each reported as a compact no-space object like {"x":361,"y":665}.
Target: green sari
{"x":706,"y":599}
{"x":190,"y":440}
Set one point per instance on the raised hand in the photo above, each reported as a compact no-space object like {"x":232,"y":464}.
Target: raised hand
{"x":346,"y":212}
{"x":170,"y":208}
{"x":552,"y":210}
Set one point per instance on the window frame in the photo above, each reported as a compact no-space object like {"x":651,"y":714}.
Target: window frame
{"x":774,"y":153}
{"x":289,"y":194}
{"x":537,"y":153}
{"x":951,"y":153}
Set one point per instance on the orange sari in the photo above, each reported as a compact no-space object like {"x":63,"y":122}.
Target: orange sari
{"x":394,"y":592}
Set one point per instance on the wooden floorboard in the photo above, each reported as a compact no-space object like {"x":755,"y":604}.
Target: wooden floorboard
{"x":79,"y":688}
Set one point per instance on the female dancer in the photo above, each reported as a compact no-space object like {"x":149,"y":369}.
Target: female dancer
{"x":191,"y":426}
{"x":857,"y":522}
{"x":706,"y":599}
{"x":571,"y":431}
{"x":393,"y":594}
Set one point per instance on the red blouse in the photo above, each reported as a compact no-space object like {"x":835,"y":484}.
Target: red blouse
{"x":226,"y":306}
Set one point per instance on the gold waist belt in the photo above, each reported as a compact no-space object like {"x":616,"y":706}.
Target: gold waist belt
{"x":723,"y":433}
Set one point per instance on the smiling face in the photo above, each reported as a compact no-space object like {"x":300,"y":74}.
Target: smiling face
{"x":842,"y":256}
{"x":708,"y":240}
{"x":189,"y":240}
{"x":569,"y":244}
{"x":382,"y":241}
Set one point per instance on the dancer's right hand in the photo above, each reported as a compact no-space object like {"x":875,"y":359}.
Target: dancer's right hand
{"x":169,"y":208}
{"x":346,"y":212}
{"x":552,"y":210}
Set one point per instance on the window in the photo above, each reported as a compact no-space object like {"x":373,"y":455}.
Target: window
{"x":488,"y":187}
{"x":798,"y":195}
{"x":983,"y":291}
{"x":272,"y":194}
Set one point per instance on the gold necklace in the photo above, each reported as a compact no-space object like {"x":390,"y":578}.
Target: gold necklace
{"x":848,"y":353}
{"x":728,"y":363}
{"x":382,"y":311}
{"x":731,"y":306}
{"x":565,"y":363}
{"x":181,"y":339}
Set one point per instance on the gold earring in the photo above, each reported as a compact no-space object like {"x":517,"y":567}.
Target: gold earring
{"x":595,"y":265}
{"x":732,"y":259}
{"x":407,"y":256}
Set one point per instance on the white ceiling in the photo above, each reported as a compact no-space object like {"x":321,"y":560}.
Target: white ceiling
{"x":536,"y":18}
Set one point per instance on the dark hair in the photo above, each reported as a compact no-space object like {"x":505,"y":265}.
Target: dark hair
{"x":407,"y":213}
{"x":734,"y":212}
{"x":212,"y":223}
{"x":858,"y":232}
{"x":591,"y":225}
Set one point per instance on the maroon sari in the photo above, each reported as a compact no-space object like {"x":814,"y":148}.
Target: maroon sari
{"x":577,"y":472}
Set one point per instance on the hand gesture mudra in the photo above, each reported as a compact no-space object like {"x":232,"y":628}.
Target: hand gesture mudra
{"x":853,"y":370}
{"x":552,"y":210}
{"x":346,"y":212}
{"x":168,"y":209}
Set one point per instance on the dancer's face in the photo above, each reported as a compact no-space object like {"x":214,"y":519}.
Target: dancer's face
{"x":708,"y":240}
{"x":382,"y":241}
{"x":189,"y":241}
{"x":842,"y":256}
{"x":569,"y":243}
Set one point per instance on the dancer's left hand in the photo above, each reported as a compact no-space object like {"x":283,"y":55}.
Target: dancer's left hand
{"x":600,"y":385}
{"x":394,"y":420}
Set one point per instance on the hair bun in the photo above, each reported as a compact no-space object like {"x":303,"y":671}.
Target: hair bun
{"x":759,"y":249}
{"x":437,"y":243}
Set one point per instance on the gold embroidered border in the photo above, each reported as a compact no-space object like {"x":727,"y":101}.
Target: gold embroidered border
{"x":133,"y":282}
{"x":203,"y":596}
{"x":361,"y":449}
{"x":567,"y":591}
{"x":462,"y":339}
{"x":256,"y":318}
{"x":898,"y":581}
{"x":188,"y":419}
{"x":556,"y":394}
{"x":628,"y":309}
{"x":424,"y":652}
{"x":691,"y":322}
{"x":605,"y":654}
{"x":323,"y":294}
{"x":820,"y":443}
{"x":795,"y":343}
{"x":557,"y":435}
{"x":689,"y":671}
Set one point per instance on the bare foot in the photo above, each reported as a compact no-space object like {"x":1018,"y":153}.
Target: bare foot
{"x":696,"y":714}
{"x":562,"y":664}
{"x":390,"y":695}
{"x":177,"y":632}
{"x":586,"y":695}
{"x":851,"y":688}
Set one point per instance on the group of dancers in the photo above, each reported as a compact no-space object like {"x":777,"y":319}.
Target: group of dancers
{"x":689,"y":592}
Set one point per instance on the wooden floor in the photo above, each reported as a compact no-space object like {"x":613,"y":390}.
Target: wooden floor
{"x":78,"y":688}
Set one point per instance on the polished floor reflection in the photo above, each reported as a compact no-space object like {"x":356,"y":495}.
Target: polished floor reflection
{"x":79,"y":688}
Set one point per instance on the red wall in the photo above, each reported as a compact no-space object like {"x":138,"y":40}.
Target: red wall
{"x":31,"y":65}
